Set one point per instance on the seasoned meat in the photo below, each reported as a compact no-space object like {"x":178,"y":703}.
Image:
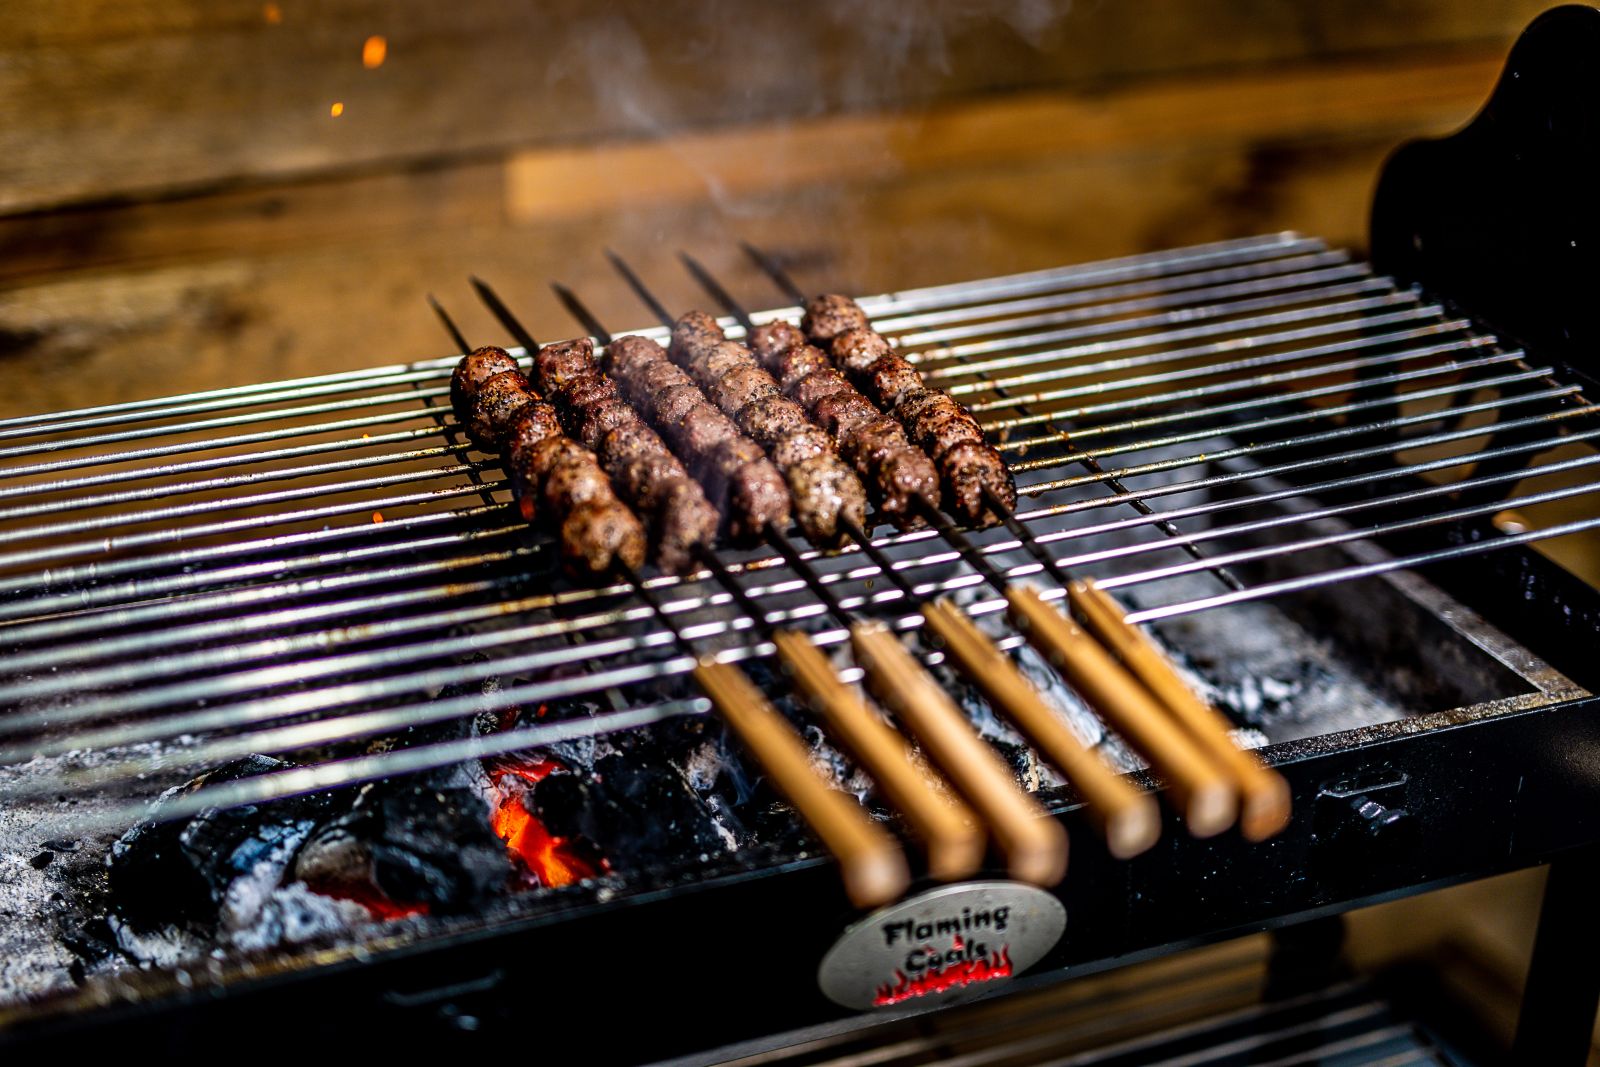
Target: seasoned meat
{"x":892,"y":379}
{"x":968,"y":467}
{"x":721,"y":360}
{"x":771,"y":419}
{"x":589,"y":387}
{"x":745,"y":385}
{"x":838,"y":413}
{"x":575,"y":478}
{"x":558,"y":362}
{"x":942,"y":429}
{"x":905,"y":477}
{"x":704,"y":430}
{"x":829,"y":315}
{"x":870,"y":440}
{"x":596,"y":421}
{"x":823,"y":489}
{"x":795,"y":364}
{"x":672,"y":406}
{"x":595,"y":535}
{"x":772,"y":339}
{"x":626,"y":357}
{"x":684,"y":519}
{"x":495,"y":406}
{"x":692,"y":333}
{"x":855,"y":351}
{"x":475,"y":369}
{"x":757,"y":499}
{"x":537,"y":423}
{"x":817,"y":386}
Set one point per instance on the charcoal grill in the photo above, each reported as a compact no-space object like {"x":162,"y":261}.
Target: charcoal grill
{"x":1255,"y":429}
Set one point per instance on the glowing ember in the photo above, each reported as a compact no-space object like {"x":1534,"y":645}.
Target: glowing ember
{"x":337,"y":109}
{"x":377,"y":516}
{"x":272,"y":13}
{"x":552,"y":860}
{"x":954,"y":976}
{"x":373,"y":899}
{"x":374,"y":50}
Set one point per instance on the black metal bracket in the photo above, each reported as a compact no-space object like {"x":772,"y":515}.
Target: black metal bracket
{"x":1501,"y":217}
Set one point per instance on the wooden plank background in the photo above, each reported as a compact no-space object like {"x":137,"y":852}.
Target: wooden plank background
{"x":179,"y":209}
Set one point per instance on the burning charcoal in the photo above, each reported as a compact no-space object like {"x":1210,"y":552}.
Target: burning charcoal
{"x":423,"y":841}
{"x":633,"y":808}
{"x":179,"y":872}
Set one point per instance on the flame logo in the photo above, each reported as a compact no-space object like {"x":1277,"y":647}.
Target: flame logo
{"x":955,"y":976}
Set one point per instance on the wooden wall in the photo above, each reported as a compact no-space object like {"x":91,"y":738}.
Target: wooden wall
{"x":179,"y":207}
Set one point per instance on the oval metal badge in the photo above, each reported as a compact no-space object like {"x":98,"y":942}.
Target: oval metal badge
{"x":948,"y":941}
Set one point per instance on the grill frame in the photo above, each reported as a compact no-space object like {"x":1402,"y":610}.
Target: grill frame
{"x":1462,"y":773}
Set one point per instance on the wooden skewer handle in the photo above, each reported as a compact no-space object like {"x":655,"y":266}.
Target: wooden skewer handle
{"x":1034,"y":844}
{"x":1264,"y":792}
{"x":1127,"y":816}
{"x":947,"y":828}
{"x":871,"y":861}
{"x":1206,"y":794}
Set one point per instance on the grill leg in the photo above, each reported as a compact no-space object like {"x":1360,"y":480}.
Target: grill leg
{"x":1563,"y":990}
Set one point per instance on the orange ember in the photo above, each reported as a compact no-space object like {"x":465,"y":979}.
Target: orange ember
{"x":377,"y":516}
{"x":272,"y":13}
{"x":337,"y":109}
{"x":551,"y":859}
{"x":374,"y":50}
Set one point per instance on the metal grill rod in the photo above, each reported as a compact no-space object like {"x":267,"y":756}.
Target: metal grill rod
{"x":103,"y":649}
{"x":1061,"y":308}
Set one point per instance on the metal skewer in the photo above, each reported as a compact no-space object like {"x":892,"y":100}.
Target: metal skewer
{"x":1034,"y":845}
{"x":1083,"y":661}
{"x":1128,"y":817}
{"x":953,"y":840}
{"x":871,"y":862}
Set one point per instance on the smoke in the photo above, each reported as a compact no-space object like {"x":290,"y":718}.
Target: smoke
{"x":727,"y":64}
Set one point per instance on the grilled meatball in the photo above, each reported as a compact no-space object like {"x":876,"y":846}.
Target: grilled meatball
{"x":824,"y":490}
{"x":967,"y":468}
{"x":475,"y":369}
{"x":494,"y":407}
{"x":672,"y":406}
{"x":561,"y":361}
{"x":855,"y":351}
{"x":843,"y":410}
{"x":600,"y":419}
{"x":704,"y":430}
{"x":891,"y":380}
{"x":942,"y":429}
{"x":795,"y":364}
{"x":829,"y":315}
{"x":771,"y":419}
{"x":626,"y":357}
{"x":721,"y":360}
{"x":692,"y":333}
{"x":741,"y":387}
{"x":574,"y":478}
{"x":537,"y":423}
{"x":771,"y":340}
{"x":595,"y":535}
{"x":685,"y":519}
{"x":757,"y":498}
{"x":906,"y":477}
{"x":816,"y":387}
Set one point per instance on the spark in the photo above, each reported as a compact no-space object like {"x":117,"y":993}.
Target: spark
{"x":272,"y":13}
{"x":374,"y":50}
{"x":337,"y":109}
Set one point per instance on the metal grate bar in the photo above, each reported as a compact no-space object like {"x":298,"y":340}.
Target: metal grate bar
{"x":1269,"y":351}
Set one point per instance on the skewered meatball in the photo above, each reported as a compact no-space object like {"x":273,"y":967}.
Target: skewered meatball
{"x":494,"y":407}
{"x":771,"y":340}
{"x":475,"y":369}
{"x":830,"y":315}
{"x":855,"y":351}
{"x":594,"y":536}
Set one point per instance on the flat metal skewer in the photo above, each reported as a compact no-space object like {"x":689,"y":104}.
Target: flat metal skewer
{"x":952,"y":837}
{"x":871,"y":862}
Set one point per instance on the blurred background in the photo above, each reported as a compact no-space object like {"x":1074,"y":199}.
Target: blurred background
{"x":203,"y":193}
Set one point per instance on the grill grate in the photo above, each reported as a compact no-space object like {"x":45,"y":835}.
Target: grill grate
{"x":286,"y":565}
